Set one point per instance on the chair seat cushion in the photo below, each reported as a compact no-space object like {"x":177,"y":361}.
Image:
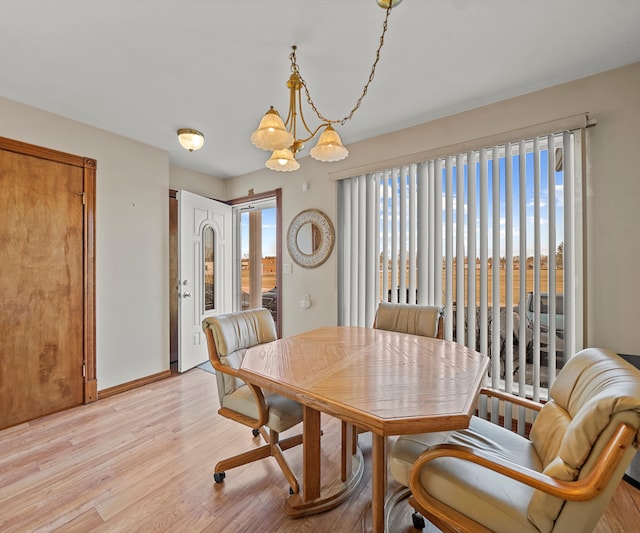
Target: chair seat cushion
{"x":283,"y":412}
{"x":461,"y":484}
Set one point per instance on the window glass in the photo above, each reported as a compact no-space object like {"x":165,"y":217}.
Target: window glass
{"x":258,"y":264}
{"x":490,"y":235}
{"x":208,"y":270}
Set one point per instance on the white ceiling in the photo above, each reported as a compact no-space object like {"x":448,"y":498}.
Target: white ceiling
{"x":144,"y":68}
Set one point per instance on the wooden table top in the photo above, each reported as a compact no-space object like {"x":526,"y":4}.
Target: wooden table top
{"x":387,"y":382}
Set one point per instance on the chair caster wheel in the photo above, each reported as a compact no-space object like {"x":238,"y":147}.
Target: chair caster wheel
{"x":218,"y":477}
{"x":255,"y":432}
{"x":418,"y":521}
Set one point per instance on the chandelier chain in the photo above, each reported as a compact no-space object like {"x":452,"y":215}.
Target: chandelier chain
{"x":296,"y":70}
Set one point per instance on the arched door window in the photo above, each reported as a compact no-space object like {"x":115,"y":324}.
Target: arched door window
{"x":208,"y":268}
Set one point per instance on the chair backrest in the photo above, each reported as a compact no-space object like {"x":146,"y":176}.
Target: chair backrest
{"x":423,"y":320}
{"x":229,"y":336}
{"x":594,"y":392}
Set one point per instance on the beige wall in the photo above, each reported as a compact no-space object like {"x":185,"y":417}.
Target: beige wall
{"x":132,"y":313}
{"x":132,"y":213}
{"x":196,"y":182}
{"x":613,"y":190}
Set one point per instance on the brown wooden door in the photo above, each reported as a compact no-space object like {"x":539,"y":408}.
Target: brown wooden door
{"x":42,"y":287}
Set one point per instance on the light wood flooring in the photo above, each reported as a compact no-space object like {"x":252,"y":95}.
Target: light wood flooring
{"x":143,"y":461}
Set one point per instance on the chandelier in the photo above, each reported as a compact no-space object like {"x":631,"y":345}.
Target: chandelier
{"x":286,"y":138}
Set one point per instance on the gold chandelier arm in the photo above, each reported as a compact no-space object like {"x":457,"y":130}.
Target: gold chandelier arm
{"x":290,"y":122}
{"x":313,"y":134}
{"x":295,"y":69}
{"x":304,"y":123}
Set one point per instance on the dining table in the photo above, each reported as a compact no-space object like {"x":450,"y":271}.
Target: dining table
{"x":384,"y":382}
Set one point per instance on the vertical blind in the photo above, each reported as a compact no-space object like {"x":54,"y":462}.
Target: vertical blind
{"x":491,"y":235}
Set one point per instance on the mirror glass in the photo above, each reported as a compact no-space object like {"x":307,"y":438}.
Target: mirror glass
{"x":309,"y":238}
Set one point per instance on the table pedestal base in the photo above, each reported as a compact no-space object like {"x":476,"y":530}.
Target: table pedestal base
{"x":330,"y":496}
{"x":396,"y":511}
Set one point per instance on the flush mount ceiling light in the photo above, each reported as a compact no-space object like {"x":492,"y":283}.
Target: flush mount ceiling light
{"x":190,"y":139}
{"x":281,"y":137}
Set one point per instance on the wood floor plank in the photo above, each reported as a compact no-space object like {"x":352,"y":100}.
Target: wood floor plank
{"x":143,"y":460}
{"x":88,"y":521}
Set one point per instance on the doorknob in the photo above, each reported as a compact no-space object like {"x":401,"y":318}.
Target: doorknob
{"x":186,"y":295}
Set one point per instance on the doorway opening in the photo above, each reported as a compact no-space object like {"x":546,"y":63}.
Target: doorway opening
{"x":257,"y":245}
{"x":201,"y":243}
{"x":255,"y":274}
{"x":173,"y":280}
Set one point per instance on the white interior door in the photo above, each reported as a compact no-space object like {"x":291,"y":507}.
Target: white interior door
{"x":204,"y":271}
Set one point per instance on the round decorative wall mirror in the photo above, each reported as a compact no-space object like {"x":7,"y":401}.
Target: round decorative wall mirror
{"x":310,"y":238}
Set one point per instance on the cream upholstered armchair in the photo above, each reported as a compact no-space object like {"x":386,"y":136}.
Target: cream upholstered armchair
{"x":228,"y":338}
{"x":423,"y":320}
{"x":560,"y":479}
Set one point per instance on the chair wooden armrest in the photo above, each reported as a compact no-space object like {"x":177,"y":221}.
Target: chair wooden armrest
{"x":511,"y":398}
{"x":247,"y":420}
{"x":579,"y":490}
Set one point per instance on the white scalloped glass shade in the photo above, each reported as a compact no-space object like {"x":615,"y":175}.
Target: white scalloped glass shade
{"x":282,"y":161}
{"x":385,"y":3}
{"x":329,"y":147}
{"x":271,"y":133}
